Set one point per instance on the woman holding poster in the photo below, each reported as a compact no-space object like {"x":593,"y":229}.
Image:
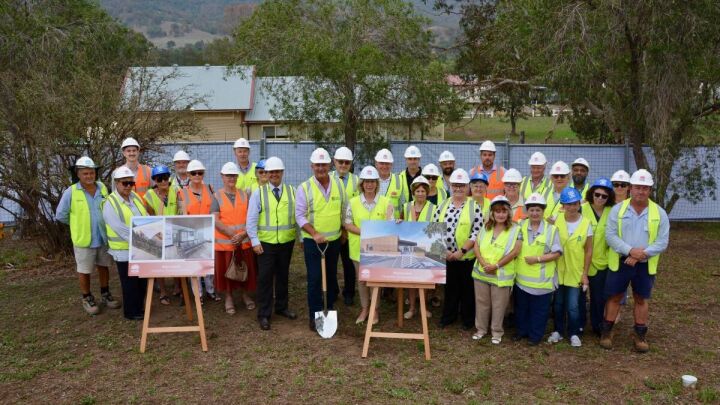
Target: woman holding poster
{"x":366,"y":206}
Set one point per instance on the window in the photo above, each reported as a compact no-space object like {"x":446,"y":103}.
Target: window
{"x":271,"y":132}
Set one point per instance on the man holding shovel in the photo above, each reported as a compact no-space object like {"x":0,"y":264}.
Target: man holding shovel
{"x":320,"y":202}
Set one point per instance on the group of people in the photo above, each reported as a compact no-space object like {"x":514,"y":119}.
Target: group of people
{"x":534,"y":245}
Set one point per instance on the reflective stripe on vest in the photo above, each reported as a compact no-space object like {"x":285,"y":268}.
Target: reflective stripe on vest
{"x":350,"y":188}
{"x":125,"y":214}
{"x":156,"y":203}
{"x":653,"y":228}
{"x":503,"y":244}
{"x":465,"y":223}
{"x":273,"y":226}
{"x":80,"y":218}
{"x":572,"y":261}
{"x":327,"y":223}
{"x":361,"y":214}
{"x":495,"y":186}
{"x":233,"y":216}
{"x":544,"y":187}
{"x":245,"y":180}
{"x":538,"y":275}
{"x":395,"y":194}
{"x":553,"y":208}
{"x":425,"y":214}
{"x":193,"y":206}
{"x":142,"y":180}
{"x":600,"y":246}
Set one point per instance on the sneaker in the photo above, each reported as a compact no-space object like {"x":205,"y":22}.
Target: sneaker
{"x":496,"y":340}
{"x":575,"y":341}
{"x":477,"y":336}
{"x":641,"y":345}
{"x":409,"y":314}
{"x":555,"y":337}
{"x":109,"y":301}
{"x":90,"y":306}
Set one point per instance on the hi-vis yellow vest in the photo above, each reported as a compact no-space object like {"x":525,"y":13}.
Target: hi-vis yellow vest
{"x":125,"y":214}
{"x":324,"y":216}
{"x":156,"y":203}
{"x":486,"y":209}
{"x":492,"y":251}
{"x":539,"y":275}
{"x":553,"y":207}
{"x":361,"y":214}
{"x":653,"y":227}
{"x":465,"y":223}
{"x":572,"y":261}
{"x":544,"y":188}
{"x":80,"y":219}
{"x":405,"y":189}
{"x":395,"y":194}
{"x":426,"y":213}
{"x":351,"y":188}
{"x":246,"y":180}
{"x":276,"y":222}
{"x":600,"y":246}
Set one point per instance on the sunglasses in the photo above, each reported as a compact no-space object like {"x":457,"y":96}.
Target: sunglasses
{"x":431,"y":177}
{"x":197,"y":173}
{"x":558,"y":176}
{"x":620,"y":185}
{"x":343,"y":162}
{"x":458,"y":186}
{"x":161,"y":178}
{"x":127,"y":183}
{"x":601,"y":195}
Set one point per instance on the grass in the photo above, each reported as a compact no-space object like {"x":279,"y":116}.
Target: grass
{"x":50,"y":349}
{"x":536,"y":130}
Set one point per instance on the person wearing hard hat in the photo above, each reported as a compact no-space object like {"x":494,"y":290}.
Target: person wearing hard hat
{"x":131,"y":152}
{"x":343,"y":160}
{"x":196,"y":199}
{"x":511,"y":191}
{"x":320,"y":204}
{"x":436,"y":192}
{"x":272,"y":230}
{"x":121,"y":205}
{"x":447,"y":165}
{"x":162,"y":200}
{"x":560,"y":177}
{"x":637,"y":232}
{"x":260,"y":175}
{"x":246,"y":178}
{"x":180,"y":162}
{"x":621,"y":185}
{"x":536,"y":182}
{"x":80,"y":207}
{"x":580,"y":170}
{"x":599,"y":201}
{"x":493,"y":172}
{"x":535,"y":271}
{"x":369,"y":205}
{"x":390,"y":184}
{"x":478,"y":190}
{"x":494,"y":269}
{"x":576,"y":238}
{"x":463,"y":220}
{"x":419,"y":209}
{"x":230,"y":208}
{"x":412,"y":170}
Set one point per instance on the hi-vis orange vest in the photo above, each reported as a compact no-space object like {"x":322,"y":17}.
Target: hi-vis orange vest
{"x":233,"y":216}
{"x":193,"y":206}
{"x":142,"y":180}
{"x":496,"y":186}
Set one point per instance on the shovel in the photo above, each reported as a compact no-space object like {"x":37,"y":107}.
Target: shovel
{"x":325,"y":321}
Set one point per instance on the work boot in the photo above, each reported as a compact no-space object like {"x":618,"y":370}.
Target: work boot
{"x":606,"y":336}
{"x":90,"y":306}
{"x":638,"y":336}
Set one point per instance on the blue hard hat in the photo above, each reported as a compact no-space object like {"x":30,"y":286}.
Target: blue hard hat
{"x":158,"y":170}
{"x":260,"y":164}
{"x":603,"y":182}
{"x":569,"y":196}
{"x":479,"y":177}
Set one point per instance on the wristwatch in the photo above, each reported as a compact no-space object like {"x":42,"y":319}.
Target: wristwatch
{"x":463,"y":250}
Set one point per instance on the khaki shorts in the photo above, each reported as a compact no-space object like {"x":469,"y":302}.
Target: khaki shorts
{"x":87,"y":258}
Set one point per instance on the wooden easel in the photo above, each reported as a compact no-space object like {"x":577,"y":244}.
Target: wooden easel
{"x":424,"y":336}
{"x":200,"y":327}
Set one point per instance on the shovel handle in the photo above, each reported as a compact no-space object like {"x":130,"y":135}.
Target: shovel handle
{"x":324,"y":281}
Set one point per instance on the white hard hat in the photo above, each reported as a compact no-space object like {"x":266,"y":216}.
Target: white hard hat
{"x":369,"y":173}
{"x":535,"y":199}
{"x":229,"y":168}
{"x":512,"y":176}
{"x":641,"y":177}
{"x":581,"y":162}
{"x":241,"y":143}
{"x":85,"y":163}
{"x":123,"y":172}
{"x":621,"y":176}
{"x":560,"y":167}
{"x":180,"y":156}
{"x":430,"y":170}
{"x":195,"y":165}
{"x":320,"y":155}
{"x":343,"y":153}
{"x":412,"y":151}
{"x":384,"y":156}
{"x":459,"y":176}
{"x":129,"y":142}
{"x":274,"y":163}
{"x":500,"y":199}
{"x":488,"y":146}
{"x":537,"y":159}
{"x":420,"y":180}
{"x":446,"y":156}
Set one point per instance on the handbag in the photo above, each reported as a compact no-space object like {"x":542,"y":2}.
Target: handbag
{"x":236,"y":271}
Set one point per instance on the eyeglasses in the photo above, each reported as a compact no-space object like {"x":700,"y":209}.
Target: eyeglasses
{"x":512,"y":185}
{"x":458,"y":186}
{"x":558,"y":176}
{"x":477,"y":184}
{"x":433,"y":178}
{"x":342,"y":162}
{"x":197,"y":173}
{"x":601,"y":195}
{"x":161,"y":178}
{"x":620,"y":185}
{"x":127,"y":183}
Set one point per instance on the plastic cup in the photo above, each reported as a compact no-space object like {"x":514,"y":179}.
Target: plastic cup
{"x":689,"y":381}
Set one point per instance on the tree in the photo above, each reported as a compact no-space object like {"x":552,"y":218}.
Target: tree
{"x":353,"y":62}
{"x":62,"y":70}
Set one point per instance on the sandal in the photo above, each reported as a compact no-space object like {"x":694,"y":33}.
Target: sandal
{"x":230,"y":309}
{"x":165,"y":300}
{"x":249,"y":303}
{"x":214,"y":297}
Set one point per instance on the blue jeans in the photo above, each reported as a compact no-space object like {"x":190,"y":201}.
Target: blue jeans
{"x":597,"y":299}
{"x":314,"y":274}
{"x":567,"y":300}
{"x":531,"y":314}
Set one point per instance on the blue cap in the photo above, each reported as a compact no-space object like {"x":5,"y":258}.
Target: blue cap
{"x":603,"y":182}
{"x":158,"y":170}
{"x":260,"y":164}
{"x":479,"y":177}
{"x":569,"y":196}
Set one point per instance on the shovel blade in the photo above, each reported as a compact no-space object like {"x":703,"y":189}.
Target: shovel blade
{"x":326,"y":324}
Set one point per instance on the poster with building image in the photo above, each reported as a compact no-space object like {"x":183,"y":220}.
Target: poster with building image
{"x":172,"y":246}
{"x":408,"y":252}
